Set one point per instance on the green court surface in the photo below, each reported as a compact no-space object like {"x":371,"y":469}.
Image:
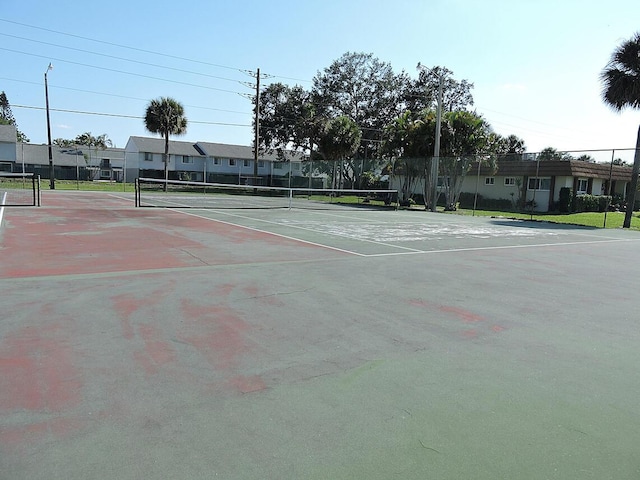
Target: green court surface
{"x":288,"y":344}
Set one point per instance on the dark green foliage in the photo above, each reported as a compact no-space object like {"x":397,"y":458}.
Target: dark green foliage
{"x":621,"y":89}
{"x":591,"y":203}
{"x":501,"y":204}
{"x":7,"y":118}
{"x":565,"y":200}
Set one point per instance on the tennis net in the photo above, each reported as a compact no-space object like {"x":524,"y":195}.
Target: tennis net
{"x":19,"y":190}
{"x":152,"y":192}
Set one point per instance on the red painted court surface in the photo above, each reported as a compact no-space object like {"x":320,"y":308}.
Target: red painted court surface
{"x":150,"y":343}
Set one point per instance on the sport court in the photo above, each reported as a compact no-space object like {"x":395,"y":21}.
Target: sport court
{"x":348,"y":343}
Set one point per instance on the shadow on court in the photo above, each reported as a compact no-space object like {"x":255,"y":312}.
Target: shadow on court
{"x":150,"y":343}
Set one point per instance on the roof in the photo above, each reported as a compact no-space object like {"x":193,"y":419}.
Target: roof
{"x":209,"y":149}
{"x":558,"y":168}
{"x":64,"y":157}
{"x":223,"y":150}
{"x":8,"y":134}
{"x":156,"y":145}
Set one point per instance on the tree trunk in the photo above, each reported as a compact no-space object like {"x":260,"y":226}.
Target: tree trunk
{"x":166,"y":160}
{"x":633,"y":187}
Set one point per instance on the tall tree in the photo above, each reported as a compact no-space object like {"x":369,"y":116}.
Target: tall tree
{"x":621,"y":89}
{"x":409,"y":142}
{"x":165,"y":116}
{"x":86,"y":139}
{"x":7,"y":118}
{"x":465,"y":139}
{"x":365,"y":89}
{"x":509,"y":148}
{"x":339,"y":140}
{"x":288,"y":119}
{"x":423,"y":92}
{"x":101,"y":141}
{"x":550,"y":153}
{"x":63,"y":142}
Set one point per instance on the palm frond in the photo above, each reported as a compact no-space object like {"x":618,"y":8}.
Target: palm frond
{"x":621,"y":77}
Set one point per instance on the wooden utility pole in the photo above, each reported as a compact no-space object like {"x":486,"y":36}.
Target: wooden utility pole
{"x":257,"y":130}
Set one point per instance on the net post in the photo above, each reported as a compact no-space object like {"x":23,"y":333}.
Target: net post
{"x":290,"y":198}
{"x":39,"y":190}
{"x":33,"y":190}
{"x":137,"y":192}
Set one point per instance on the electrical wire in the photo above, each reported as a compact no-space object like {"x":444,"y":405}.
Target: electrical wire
{"x":123,"y":59}
{"x":119,"y":115}
{"x":119,"y":71}
{"x":120,"y":46}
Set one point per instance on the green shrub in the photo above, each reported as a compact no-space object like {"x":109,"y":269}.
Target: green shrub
{"x":591,"y":203}
{"x":565,"y":200}
{"x":500,"y":204}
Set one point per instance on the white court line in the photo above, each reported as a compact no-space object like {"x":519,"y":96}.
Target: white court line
{"x":342,"y":250}
{"x":413,"y":251}
{"x":502,"y":247}
{"x":307,"y":229}
{"x":4,"y":199}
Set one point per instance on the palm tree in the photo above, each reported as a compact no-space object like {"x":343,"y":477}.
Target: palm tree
{"x":100,"y":142}
{"x":340,"y":139}
{"x":621,"y":88}
{"x":165,"y":116}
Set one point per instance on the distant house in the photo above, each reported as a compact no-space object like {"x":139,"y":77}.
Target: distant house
{"x":145,"y":159}
{"x":210,"y":162}
{"x":540,"y":182}
{"x":7,"y":147}
{"x":69,"y":163}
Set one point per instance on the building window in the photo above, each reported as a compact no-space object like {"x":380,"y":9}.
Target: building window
{"x":216,"y":161}
{"x":105,"y":163}
{"x":232,"y":162}
{"x":583,"y":186}
{"x":490,"y":180}
{"x":246,"y":163}
{"x":105,"y":174}
{"x":260,"y":163}
{"x":296,"y":167}
{"x":187,"y":159}
{"x":148,"y":156}
{"x":277,"y":164}
{"x":509,"y":181}
{"x":539,"y":183}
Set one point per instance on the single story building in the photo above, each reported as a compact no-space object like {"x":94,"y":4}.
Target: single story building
{"x":539,"y":183}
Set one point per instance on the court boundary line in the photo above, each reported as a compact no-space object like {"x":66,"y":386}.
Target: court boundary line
{"x":4,"y":198}
{"x":502,"y":247}
{"x":342,"y":250}
{"x":298,"y":227}
{"x":412,"y":251}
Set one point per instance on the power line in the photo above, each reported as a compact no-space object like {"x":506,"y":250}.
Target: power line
{"x":118,"y":71}
{"x":123,"y":59}
{"x":119,"y":115}
{"x":117,"y":95}
{"x":120,"y":46}
{"x":128,"y":47}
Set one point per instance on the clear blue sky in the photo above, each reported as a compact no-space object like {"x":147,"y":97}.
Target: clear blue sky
{"x":535,"y":64}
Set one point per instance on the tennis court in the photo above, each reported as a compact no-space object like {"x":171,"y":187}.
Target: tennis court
{"x":336,"y":343}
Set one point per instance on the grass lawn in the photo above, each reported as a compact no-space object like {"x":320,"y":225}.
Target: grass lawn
{"x":89,"y":186}
{"x":588,"y":219}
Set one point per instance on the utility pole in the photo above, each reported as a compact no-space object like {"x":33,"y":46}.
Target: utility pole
{"x":257,"y":130}
{"x":436,"y":151}
{"x":52,"y":182}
